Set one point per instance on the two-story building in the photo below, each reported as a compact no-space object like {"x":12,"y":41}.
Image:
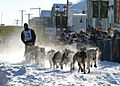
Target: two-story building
{"x":59,"y":16}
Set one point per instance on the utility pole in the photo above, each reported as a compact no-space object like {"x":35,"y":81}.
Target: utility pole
{"x":99,"y":17}
{"x":36,"y":8}
{"x":89,"y":12}
{"x":22,"y":17}
{"x":28,"y":16}
{"x":17,"y":21}
{"x":1,"y":18}
{"x":67,"y":14}
{"x":67,"y":6}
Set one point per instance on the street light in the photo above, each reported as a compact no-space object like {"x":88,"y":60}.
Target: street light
{"x":65,"y":9}
{"x":67,"y":6}
{"x":61,"y":18}
{"x":64,"y":17}
{"x":57,"y":19}
{"x":57,"y":9}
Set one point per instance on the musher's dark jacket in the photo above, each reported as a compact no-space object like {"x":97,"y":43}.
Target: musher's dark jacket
{"x":30,"y":34}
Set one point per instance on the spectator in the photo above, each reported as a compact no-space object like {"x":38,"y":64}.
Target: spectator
{"x":116,"y":33}
{"x":110,"y":33}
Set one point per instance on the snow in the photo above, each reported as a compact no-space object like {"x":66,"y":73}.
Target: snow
{"x":107,"y":74}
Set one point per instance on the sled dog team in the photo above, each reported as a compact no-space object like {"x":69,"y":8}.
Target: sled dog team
{"x":84,"y":57}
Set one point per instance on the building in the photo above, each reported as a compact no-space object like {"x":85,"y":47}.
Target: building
{"x":78,"y":22}
{"x":78,"y":7}
{"x":35,"y":21}
{"x":112,"y":10}
{"x":114,"y":13}
{"x":77,"y":16}
{"x":111,"y":13}
{"x":59,"y":16}
{"x":45,"y":19}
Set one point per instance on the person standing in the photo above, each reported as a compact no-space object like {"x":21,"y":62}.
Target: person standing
{"x":28,"y":36}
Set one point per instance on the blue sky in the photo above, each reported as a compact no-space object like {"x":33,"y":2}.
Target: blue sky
{"x":10,"y":9}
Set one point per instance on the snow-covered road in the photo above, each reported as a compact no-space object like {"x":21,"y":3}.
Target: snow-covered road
{"x":107,"y":74}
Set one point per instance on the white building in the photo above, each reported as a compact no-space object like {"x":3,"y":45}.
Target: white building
{"x":83,"y":5}
{"x":111,"y":12}
{"x":76,"y":18}
{"x":78,"y":22}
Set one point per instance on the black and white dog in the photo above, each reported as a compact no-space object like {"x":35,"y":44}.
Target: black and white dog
{"x":91,"y":58}
{"x":84,"y":57}
{"x":62,"y":58}
{"x":66,"y":57}
{"x":57,"y":59}
{"x":50,"y":55}
{"x":80,"y":57}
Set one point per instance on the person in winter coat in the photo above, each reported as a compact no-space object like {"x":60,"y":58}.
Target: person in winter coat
{"x":28,"y":36}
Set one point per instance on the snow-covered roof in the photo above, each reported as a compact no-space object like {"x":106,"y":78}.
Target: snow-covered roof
{"x":79,"y":6}
{"x":77,"y":14}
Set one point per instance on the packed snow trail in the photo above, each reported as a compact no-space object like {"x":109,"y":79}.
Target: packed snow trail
{"x":107,"y":74}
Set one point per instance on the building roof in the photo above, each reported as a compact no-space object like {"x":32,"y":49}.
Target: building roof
{"x":60,"y":7}
{"x":45,"y":13}
{"x":79,"y":6}
{"x":79,"y":14}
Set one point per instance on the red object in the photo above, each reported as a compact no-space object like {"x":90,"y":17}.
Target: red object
{"x":100,"y":29}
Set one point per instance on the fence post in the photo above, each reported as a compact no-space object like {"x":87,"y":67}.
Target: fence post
{"x":118,"y":50}
{"x":101,"y":47}
{"x":107,"y":52}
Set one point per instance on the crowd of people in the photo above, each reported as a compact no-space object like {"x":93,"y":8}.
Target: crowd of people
{"x":91,"y":35}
